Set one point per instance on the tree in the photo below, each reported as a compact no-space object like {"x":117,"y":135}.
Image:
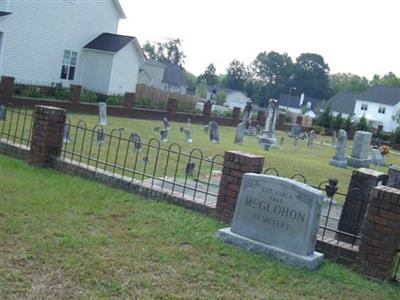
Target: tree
{"x":236,"y":75}
{"x":209,"y":75}
{"x":347,"y":123}
{"x":389,"y":79}
{"x":202,"y":88}
{"x":347,"y":82}
{"x":311,"y":75}
{"x":221,"y":97}
{"x":337,"y":122}
{"x":274,"y":71}
{"x":325,"y":118}
{"x":362,"y":124}
{"x":165,"y":52}
{"x":191,"y":80}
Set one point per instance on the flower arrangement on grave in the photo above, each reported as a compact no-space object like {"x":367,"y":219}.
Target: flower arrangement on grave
{"x":384,"y":150}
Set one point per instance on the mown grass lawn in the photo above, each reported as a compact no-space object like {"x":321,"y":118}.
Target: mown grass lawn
{"x":64,"y":237}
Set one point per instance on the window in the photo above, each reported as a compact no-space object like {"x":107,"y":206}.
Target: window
{"x":69,"y":65}
{"x":364,"y":107}
{"x":381,"y":110}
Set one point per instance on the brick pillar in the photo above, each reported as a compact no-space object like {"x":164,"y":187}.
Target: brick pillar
{"x":380,"y":234}
{"x":129,"y":99}
{"x":362,"y":183}
{"x":75,"y":94}
{"x":172,"y":106}
{"x":207,"y":109}
{"x":47,"y":134}
{"x":261,"y":117}
{"x":236,"y":163}
{"x":7,"y":87}
{"x":281,"y":119}
{"x":299,"y":120}
{"x":236,"y":113}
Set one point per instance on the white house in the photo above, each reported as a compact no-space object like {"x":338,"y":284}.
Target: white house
{"x":68,"y":42}
{"x":233,"y":99}
{"x":151,"y":73}
{"x":342,"y":102}
{"x":295,"y":104}
{"x":378,"y":105}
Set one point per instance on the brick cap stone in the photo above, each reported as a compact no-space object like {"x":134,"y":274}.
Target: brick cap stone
{"x":48,"y":109}
{"x":244,"y":154}
{"x":369,"y":172}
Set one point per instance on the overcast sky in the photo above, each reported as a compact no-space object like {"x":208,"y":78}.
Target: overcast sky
{"x":357,"y":36}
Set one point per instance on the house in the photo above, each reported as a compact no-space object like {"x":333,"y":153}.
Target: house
{"x":68,"y":42}
{"x":296,"y":104}
{"x":378,"y":104}
{"x":167,"y":77}
{"x":342,"y":102}
{"x":233,"y":99}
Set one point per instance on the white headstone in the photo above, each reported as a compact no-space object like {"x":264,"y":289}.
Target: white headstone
{"x":339,"y":159}
{"x":360,"y":152}
{"x":277,"y":216}
{"x":102,"y":114}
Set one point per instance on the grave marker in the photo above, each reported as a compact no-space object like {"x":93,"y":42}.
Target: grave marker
{"x":188,"y":135}
{"x":279,"y":217}
{"x":3,"y":112}
{"x":339,"y":159}
{"x":359,"y":155}
{"x":100,"y":135}
{"x":240,"y":131}
{"x":214,"y":134}
{"x":164,"y":135}
{"x":102,"y":114}
{"x":136,"y":141}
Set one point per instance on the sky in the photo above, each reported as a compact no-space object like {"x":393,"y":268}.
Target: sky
{"x":356,"y":36}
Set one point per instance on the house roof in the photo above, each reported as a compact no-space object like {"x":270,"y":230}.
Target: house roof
{"x":343,"y":102}
{"x":4,"y":13}
{"x":173,"y":75}
{"x":381,"y":94}
{"x":293,"y":101}
{"x":109,"y":42}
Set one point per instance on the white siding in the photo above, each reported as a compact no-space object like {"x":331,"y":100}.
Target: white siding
{"x":37,"y":33}
{"x":96,"y":70}
{"x":385,"y":119}
{"x":156,"y":73}
{"x":236,"y":99}
{"x":125,"y":71}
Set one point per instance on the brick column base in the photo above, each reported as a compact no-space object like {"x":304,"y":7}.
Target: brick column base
{"x":7,"y":89}
{"x":236,"y":164}
{"x":380,"y":235}
{"x":207,"y":109}
{"x":47,"y":134}
{"x":129,"y":99}
{"x":172,"y":106}
{"x":236,"y":113}
{"x":75,"y":94}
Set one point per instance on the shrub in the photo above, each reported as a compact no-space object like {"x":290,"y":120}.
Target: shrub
{"x":362,"y":124}
{"x":34,"y":92}
{"x":89,"y":97}
{"x":395,"y":136}
{"x":61,"y":93}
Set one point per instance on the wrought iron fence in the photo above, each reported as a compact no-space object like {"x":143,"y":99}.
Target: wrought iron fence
{"x":331,"y":209}
{"x":191,"y":176}
{"x":396,"y":275}
{"x":16,"y":125}
{"x":41,"y":90}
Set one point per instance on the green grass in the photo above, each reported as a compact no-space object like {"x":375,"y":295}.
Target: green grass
{"x":313,"y":163}
{"x":65,"y":237}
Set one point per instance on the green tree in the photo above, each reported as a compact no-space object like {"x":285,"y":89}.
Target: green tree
{"x":347,"y":82}
{"x":166,"y":52}
{"x":236,"y":75}
{"x":325,"y":118}
{"x":389,"y":79}
{"x":347,"y":123}
{"x":202,"y":88}
{"x":191,"y":80}
{"x":274,"y":71}
{"x":221,"y":97}
{"x":337,"y":121}
{"x":311,"y":75}
{"x":362,"y":124}
{"x":209,"y":75}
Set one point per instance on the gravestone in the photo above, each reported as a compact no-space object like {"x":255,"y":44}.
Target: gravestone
{"x":247,"y":114}
{"x":206,"y":129}
{"x":188,"y":135}
{"x":164,"y":135}
{"x":394,"y":176}
{"x":295,"y":130}
{"x":166,"y":123}
{"x":279,"y":217}
{"x":190,"y":168}
{"x":240,"y":131}
{"x":295,"y":142}
{"x":311,"y":138}
{"x":334,"y":139}
{"x":281,"y":142}
{"x":189,"y":121}
{"x":100,"y":135}
{"x":258,"y":129}
{"x":136,"y":141}
{"x":3,"y":112}
{"x":66,"y":138}
{"x":102,"y":114}
{"x":339,"y":159}
{"x":214,"y":133}
{"x":377,"y":157}
{"x":359,"y":155}
{"x":267,"y":138}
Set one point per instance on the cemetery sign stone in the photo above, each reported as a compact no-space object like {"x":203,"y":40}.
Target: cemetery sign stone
{"x":279,"y":217}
